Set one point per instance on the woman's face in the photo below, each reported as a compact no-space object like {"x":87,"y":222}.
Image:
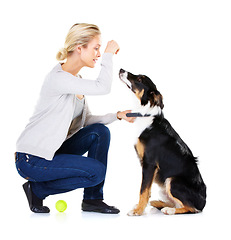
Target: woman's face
{"x":91,"y":53}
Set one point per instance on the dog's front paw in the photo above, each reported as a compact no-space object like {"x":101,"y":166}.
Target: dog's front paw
{"x":133,"y":212}
{"x":168,"y":211}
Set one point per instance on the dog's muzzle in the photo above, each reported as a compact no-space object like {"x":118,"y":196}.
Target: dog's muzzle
{"x":123,"y":77}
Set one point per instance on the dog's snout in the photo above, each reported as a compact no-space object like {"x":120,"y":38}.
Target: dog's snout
{"x":122,"y":71}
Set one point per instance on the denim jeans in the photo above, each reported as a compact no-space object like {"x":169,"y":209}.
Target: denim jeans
{"x":69,"y":170}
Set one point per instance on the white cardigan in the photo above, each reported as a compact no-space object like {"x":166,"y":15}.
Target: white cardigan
{"x":51,"y":123}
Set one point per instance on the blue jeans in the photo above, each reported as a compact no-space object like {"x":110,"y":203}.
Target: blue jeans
{"x":69,"y":170}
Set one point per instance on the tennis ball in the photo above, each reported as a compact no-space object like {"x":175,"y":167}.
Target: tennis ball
{"x":61,"y":205}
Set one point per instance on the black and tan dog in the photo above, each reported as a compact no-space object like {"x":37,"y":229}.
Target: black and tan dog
{"x":165,"y":158}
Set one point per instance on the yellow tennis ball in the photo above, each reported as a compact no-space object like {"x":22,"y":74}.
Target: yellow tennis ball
{"x":61,"y":205}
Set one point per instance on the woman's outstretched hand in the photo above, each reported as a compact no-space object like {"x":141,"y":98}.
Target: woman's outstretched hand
{"x":112,"y":47}
{"x":122,"y":115}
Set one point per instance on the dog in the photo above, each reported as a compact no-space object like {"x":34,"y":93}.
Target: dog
{"x":165,"y":158}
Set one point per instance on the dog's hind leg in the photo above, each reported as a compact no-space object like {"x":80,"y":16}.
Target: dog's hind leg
{"x":160,"y":204}
{"x":179,"y":207}
{"x":185,"y":209}
{"x":145,"y":191}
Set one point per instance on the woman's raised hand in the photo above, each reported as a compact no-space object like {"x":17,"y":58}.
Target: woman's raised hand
{"x":112,"y":47}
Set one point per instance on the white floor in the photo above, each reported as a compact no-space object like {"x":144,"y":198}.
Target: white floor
{"x":75,"y":224}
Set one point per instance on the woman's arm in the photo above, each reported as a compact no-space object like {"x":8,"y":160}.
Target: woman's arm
{"x":104,"y":119}
{"x":62,"y":82}
{"x":108,"y":118}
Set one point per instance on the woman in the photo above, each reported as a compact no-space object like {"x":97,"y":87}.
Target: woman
{"x":49,"y":150}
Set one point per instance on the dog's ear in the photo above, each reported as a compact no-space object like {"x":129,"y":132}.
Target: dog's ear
{"x":156,"y":99}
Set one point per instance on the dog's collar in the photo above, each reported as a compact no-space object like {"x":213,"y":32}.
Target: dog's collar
{"x":137,"y":114}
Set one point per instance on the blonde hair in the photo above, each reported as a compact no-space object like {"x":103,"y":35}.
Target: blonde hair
{"x":79,"y":34}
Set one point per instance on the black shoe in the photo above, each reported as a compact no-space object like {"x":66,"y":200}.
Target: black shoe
{"x":35,"y":203}
{"x":98,"y":206}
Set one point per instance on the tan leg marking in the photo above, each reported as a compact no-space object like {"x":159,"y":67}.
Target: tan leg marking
{"x":177,"y":202}
{"x":140,"y":149}
{"x":185,"y":209}
{"x":144,"y":197}
{"x":161,"y":204}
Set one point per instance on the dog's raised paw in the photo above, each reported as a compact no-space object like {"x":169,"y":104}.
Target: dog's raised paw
{"x":168,"y":210}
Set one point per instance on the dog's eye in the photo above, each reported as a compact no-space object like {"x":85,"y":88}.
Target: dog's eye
{"x":139,"y":79}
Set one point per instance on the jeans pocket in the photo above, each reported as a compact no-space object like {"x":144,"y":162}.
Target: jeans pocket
{"x":22,"y":166}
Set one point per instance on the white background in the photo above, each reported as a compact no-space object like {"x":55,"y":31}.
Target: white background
{"x":184,"y":47}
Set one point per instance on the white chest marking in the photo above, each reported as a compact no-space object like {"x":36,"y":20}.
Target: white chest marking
{"x":144,"y":122}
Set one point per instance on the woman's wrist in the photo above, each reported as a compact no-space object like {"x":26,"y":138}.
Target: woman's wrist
{"x":118,"y":115}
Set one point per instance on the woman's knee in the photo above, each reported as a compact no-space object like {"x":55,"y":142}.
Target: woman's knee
{"x":102,"y":131}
